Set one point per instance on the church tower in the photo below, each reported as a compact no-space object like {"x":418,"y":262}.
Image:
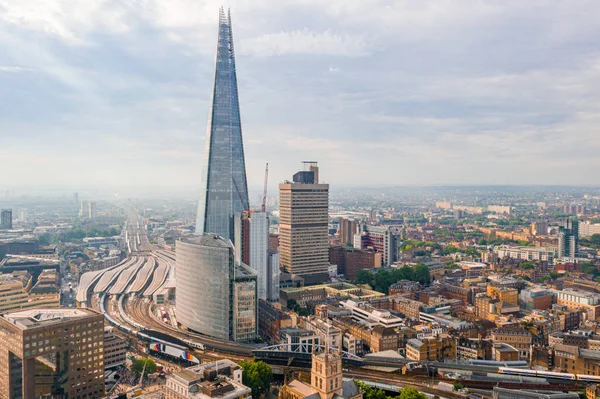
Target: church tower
{"x":326,"y":374}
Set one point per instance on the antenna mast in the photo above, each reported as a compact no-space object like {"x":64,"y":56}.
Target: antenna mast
{"x":264,"y":201}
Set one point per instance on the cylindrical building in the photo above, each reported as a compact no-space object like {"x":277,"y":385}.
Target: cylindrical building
{"x":215,"y":295}
{"x":204,"y":267}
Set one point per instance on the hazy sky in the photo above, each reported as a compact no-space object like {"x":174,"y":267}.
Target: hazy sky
{"x":116,"y":93}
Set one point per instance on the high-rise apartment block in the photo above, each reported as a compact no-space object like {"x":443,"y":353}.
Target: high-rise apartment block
{"x":56,"y":353}
{"x":568,"y":239}
{"x":348,"y":228}
{"x":22,"y":215}
{"x":92,"y":210}
{"x":303,"y":225}
{"x":539,"y":228}
{"x":224,"y":191}
{"x":6,"y":221}
{"x":216,"y":295}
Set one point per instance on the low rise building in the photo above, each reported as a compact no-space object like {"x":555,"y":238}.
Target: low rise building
{"x":517,"y":337}
{"x":424,"y":349}
{"x":319,"y":293}
{"x":502,"y":352}
{"x":527,"y":253}
{"x":271,"y":320}
{"x":473,"y":349}
{"x":362,"y":311}
{"x":580,"y":300}
{"x":115,"y":349}
{"x":298,"y":339}
{"x":220,"y":379}
{"x":328,"y":334}
{"x":535,"y":298}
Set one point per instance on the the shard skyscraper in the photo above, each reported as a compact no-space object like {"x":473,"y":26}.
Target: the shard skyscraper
{"x":224,"y":187}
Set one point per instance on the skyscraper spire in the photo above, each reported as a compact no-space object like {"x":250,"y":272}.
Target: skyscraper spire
{"x":224,"y":187}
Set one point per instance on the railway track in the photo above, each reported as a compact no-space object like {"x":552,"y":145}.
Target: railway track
{"x":400,"y":381}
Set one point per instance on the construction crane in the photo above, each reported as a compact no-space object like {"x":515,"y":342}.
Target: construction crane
{"x":264,"y":202}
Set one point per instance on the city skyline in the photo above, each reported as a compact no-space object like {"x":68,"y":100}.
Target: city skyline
{"x":421,"y":100}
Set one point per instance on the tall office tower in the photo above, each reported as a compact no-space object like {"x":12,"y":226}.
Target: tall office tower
{"x":6,"y":222}
{"x":92,"y":210}
{"x":224,"y":189}
{"x":76,"y":198}
{"x":83,"y":209}
{"x":251,"y":237}
{"x":56,"y":353}
{"x":568,"y":239}
{"x":303,"y":226}
{"x":216,"y":295}
{"x":22,"y":215}
{"x":348,"y":228}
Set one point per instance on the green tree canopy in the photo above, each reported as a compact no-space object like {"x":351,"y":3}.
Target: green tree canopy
{"x":375,"y":393}
{"x":383,"y":278}
{"x":291,"y":303}
{"x":595,"y":239}
{"x":257,"y":375}
{"x":362,"y":277}
{"x":138,"y":365}
{"x":411,"y":393}
{"x":527,"y":266}
{"x":422,"y":274}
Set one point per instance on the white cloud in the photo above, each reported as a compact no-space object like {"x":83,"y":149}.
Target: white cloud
{"x":433,"y":91}
{"x":13,"y":68}
{"x":305,"y":42}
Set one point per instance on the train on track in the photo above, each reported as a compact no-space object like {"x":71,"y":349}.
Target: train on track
{"x":548,"y":374}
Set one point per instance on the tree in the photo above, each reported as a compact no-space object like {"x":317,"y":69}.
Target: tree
{"x":422,"y":274}
{"x":411,"y":393}
{"x":595,"y":239}
{"x":44,"y":239}
{"x":257,"y":375}
{"x":138,"y":365}
{"x":303,"y":312}
{"x":527,"y":266}
{"x":362,"y":277}
{"x":370,"y":392}
{"x":291,"y":303}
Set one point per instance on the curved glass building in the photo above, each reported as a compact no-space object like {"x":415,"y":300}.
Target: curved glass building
{"x":215,"y":296}
{"x":224,"y":189}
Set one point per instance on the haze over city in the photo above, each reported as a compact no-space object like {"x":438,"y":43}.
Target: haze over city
{"x":115,"y":95}
{"x":392,"y":200}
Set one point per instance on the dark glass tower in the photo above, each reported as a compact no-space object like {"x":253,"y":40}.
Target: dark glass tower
{"x":224,"y":188}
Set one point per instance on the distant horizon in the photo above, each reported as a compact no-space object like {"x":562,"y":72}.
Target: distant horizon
{"x":377,"y":92}
{"x":158,"y":192}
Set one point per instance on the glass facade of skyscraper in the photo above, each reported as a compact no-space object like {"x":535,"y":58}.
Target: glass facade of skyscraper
{"x":224,"y":187}
{"x":204,"y":274}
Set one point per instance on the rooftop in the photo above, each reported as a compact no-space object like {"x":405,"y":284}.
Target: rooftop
{"x":209,"y":240}
{"x":34,"y":318}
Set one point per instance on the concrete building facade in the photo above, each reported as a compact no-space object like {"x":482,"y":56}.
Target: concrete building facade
{"x":303,"y":226}
{"x":46,"y":352}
